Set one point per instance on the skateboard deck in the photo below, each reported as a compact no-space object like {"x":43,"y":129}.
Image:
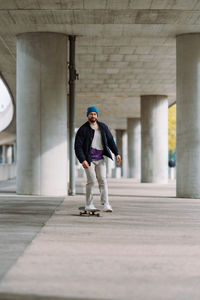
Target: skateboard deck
{"x":91,"y":212}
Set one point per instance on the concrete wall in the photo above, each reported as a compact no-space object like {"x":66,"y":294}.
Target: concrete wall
{"x":7,"y":171}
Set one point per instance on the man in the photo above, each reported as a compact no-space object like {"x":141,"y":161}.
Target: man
{"x":93,"y":141}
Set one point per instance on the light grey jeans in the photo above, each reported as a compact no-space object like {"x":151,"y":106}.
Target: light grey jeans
{"x":97,"y":169}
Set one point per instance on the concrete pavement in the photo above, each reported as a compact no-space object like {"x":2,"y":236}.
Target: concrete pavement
{"x":21,"y":218}
{"x":148,"y":248}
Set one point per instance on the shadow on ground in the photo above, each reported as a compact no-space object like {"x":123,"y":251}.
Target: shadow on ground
{"x":6,"y":296}
{"x":21,"y":218}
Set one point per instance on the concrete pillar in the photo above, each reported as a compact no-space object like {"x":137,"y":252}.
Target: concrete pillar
{"x":4,"y":154}
{"x":134,"y":147}
{"x":42,"y":114}
{"x":125,"y":154}
{"x":121,"y":140}
{"x":154,"y":128}
{"x":14,"y":152}
{"x":116,"y":170}
{"x":118,"y":140}
{"x":188,"y":116}
{"x":9,"y":154}
{"x":110,"y":165}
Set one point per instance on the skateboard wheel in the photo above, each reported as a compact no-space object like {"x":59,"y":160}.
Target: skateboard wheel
{"x":80,"y":213}
{"x":98,"y":215}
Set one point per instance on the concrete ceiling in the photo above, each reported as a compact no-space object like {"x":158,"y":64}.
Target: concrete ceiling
{"x":124,"y":49}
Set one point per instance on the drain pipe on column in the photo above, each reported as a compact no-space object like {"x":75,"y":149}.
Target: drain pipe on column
{"x":72,"y":77}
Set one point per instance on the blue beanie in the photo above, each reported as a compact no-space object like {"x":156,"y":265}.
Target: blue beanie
{"x":92,"y":108}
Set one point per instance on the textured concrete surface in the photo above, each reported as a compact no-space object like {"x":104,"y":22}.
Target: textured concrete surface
{"x":42,"y":114}
{"x":188,"y":116}
{"x":134,"y":147}
{"x":148,"y":248}
{"x":154,"y":138}
{"x":7,"y":171}
{"x":21,"y":218}
{"x":125,"y":48}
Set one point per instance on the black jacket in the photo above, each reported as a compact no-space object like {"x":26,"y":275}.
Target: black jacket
{"x":84,"y":139}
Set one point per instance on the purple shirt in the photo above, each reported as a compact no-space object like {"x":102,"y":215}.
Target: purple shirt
{"x":96,"y":154}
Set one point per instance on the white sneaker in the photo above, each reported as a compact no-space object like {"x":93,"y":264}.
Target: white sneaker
{"x":90,"y":207}
{"x":107,"y":207}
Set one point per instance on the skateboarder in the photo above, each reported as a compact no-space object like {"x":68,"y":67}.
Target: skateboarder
{"x":94,"y":141}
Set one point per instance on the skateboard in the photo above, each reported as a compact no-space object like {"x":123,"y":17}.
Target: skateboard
{"x":91,"y":212}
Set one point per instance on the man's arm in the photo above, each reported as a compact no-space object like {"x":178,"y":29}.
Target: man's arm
{"x":78,"y":146}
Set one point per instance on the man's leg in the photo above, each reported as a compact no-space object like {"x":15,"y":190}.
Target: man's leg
{"x":100,"y":169}
{"x":90,"y":173}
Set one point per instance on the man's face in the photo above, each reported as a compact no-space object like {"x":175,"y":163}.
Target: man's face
{"x":92,"y":117}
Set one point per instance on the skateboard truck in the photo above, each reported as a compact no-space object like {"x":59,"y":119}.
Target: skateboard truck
{"x":91,"y":212}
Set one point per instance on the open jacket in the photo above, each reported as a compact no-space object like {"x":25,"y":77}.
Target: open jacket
{"x":83,"y":142}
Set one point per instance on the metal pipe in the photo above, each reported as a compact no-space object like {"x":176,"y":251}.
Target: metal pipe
{"x":72,"y":78}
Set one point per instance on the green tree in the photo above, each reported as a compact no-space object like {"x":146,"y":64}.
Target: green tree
{"x":172,"y":130}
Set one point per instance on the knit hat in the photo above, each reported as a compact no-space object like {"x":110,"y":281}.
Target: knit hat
{"x":92,"y":108}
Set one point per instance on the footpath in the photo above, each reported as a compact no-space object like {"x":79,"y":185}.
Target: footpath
{"x":148,"y":248}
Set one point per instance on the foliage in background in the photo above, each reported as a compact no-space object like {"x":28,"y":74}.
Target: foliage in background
{"x":172,"y":131}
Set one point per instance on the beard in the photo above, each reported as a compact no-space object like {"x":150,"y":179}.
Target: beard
{"x":92,"y":120}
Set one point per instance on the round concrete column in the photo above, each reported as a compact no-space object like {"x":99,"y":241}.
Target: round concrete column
{"x":110,"y":164}
{"x":4,"y":154}
{"x":9,"y":154}
{"x":121,"y":140}
{"x":14,"y":152}
{"x":134,"y":147}
{"x":42,"y":114}
{"x":154,"y":128}
{"x":188,"y":116}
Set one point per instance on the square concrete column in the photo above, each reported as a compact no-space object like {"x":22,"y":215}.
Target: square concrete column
{"x":188,"y":116}
{"x":134,"y":147}
{"x":154,"y":128}
{"x":42,"y":114}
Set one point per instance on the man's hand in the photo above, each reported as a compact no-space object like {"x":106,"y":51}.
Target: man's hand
{"x":118,"y":158}
{"x":85,"y":164}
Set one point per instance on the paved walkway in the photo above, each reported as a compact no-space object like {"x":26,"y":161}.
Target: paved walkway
{"x":148,"y":248}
